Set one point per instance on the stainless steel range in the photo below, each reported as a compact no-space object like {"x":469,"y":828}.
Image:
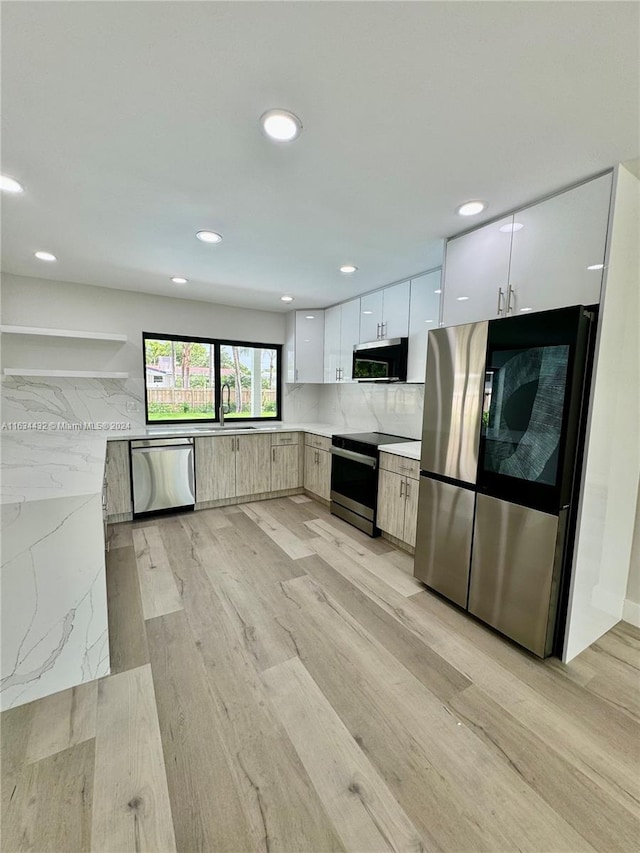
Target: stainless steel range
{"x":354,"y":477}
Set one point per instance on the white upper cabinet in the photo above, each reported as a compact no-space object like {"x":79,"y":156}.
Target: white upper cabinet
{"x":559,"y":240}
{"x":332,"y":323}
{"x":423,"y":315}
{"x":385,"y":313}
{"x":535,"y":260}
{"x":370,"y":316}
{"x":477,"y":274}
{"x":395,"y":310}
{"x":349,"y":337}
{"x":305,"y":346}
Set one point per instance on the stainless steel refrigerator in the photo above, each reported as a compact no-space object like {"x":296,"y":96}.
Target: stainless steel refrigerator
{"x":504,"y":410}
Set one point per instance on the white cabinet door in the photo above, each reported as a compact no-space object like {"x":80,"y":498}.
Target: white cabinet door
{"x":476,"y":271}
{"x":559,"y":239}
{"x":349,"y":337}
{"x":395,"y":310}
{"x":332,"y":322}
{"x":309,"y":346}
{"x":423,"y":315}
{"x":371,"y":316}
{"x":290,"y":347}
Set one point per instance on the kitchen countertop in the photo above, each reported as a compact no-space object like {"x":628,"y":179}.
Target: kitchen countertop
{"x":168,"y":431}
{"x":408,"y":449}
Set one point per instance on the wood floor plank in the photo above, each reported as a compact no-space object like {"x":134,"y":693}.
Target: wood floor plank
{"x":598,"y":739}
{"x":433,"y":671}
{"x":282,"y":808}
{"x":62,"y":720}
{"x":300,"y":499}
{"x":379,"y":564}
{"x":119,"y":535}
{"x":462,"y":761}
{"x":281,"y":535}
{"x":131,"y":809}
{"x":375,"y":545}
{"x":216,"y":518}
{"x":127,"y":638}
{"x":293,"y":516}
{"x":579,"y":800}
{"x":157,"y":586}
{"x":207,"y":810}
{"x":49,"y":805}
{"x":251,"y":605}
{"x":364,"y":811}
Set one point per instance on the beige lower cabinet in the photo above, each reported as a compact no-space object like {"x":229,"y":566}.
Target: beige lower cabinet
{"x":229,"y":466}
{"x":253,"y":464}
{"x":215,"y":468}
{"x":317,"y":471}
{"x":285,"y":467}
{"x":118,"y":478}
{"x":398,"y":505}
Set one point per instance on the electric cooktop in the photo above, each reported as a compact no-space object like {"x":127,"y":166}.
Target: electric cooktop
{"x":375,"y":439}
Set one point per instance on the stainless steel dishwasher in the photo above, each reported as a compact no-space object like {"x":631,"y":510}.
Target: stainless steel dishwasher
{"x":162,"y":474}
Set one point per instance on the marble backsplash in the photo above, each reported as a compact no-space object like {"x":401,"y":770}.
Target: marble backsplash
{"x":71,"y":400}
{"x":393,"y":408}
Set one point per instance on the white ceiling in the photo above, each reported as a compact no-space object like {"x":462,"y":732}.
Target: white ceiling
{"x":134,"y":124}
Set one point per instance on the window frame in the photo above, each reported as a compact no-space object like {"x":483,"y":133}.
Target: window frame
{"x":217,"y":343}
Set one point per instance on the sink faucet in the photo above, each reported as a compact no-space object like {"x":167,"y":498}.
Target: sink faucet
{"x":224,"y":411}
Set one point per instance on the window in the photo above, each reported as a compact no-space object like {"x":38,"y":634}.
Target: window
{"x":188,"y":379}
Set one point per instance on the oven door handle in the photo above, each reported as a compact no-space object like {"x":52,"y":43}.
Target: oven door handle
{"x":355,"y":457}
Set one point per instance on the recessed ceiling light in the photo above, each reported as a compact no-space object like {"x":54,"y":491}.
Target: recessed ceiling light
{"x":45,"y":256}
{"x":177,"y":280}
{"x":437,"y":291}
{"x":510,"y":227}
{"x":367,"y":312}
{"x":10,"y":185}
{"x":348,"y":268}
{"x":287,"y":298}
{"x":306,"y":340}
{"x":462,"y":298}
{"x":208,"y":236}
{"x":596,"y":267}
{"x":281,"y":125}
{"x":524,"y":310}
{"x":471,"y":208}
{"x":310,"y":317}
{"x":429,"y":321}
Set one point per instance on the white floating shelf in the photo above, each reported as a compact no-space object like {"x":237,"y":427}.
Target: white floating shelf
{"x":62,"y":333}
{"x":77,"y":374}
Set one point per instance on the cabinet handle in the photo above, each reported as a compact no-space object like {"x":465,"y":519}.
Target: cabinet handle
{"x":336,"y":374}
{"x":510,"y":292}
{"x":273,"y":454}
{"x":406,"y":489}
{"x":238,"y":443}
{"x":500,"y":298}
{"x":296,"y":372}
{"x":378,"y":332}
{"x":383,"y":329}
{"x":401,"y":488}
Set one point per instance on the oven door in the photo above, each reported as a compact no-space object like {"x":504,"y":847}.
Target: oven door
{"x":354,"y":481}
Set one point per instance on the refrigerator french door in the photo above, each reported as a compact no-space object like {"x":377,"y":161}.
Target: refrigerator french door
{"x":453,"y":395}
{"x":525,"y":417}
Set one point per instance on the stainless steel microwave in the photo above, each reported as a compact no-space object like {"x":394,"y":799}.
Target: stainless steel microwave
{"x":381,"y":361}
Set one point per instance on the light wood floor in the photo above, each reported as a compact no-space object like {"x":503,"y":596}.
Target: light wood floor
{"x":281,"y":683}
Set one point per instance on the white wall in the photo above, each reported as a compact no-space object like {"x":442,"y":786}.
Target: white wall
{"x":607,"y":508}
{"x":66,"y":305}
{"x":631,"y":610}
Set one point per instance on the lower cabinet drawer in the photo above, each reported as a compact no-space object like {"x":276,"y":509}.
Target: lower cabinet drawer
{"x":320,"y":442}
{"x":400,"y":465}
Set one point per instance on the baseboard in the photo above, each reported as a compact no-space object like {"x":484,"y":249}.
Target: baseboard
{"x":631,"y":612}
